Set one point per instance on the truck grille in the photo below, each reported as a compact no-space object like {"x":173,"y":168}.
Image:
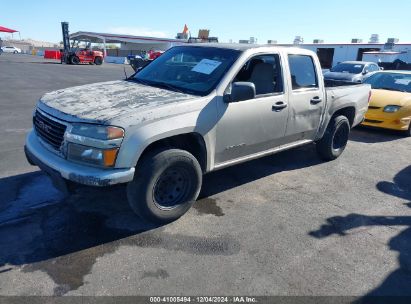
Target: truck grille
{"x":50,"y":131}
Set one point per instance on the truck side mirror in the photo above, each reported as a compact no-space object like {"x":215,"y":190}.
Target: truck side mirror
{"x":241,"y":91}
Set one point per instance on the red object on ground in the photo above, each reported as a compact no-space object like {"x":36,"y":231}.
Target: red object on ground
{"x":52,"y":54}
{"x":7,"y":30}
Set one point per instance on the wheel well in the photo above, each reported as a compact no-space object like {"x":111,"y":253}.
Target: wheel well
{"x":348,"y":112}
{"x":190,"y":142}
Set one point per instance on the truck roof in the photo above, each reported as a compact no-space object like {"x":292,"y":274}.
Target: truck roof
{"x":245,"y":47}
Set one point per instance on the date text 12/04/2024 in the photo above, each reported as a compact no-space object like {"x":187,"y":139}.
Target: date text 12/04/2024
{"x":203,"y":299}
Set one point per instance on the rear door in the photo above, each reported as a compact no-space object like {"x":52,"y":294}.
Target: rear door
{"x":306,"y":96}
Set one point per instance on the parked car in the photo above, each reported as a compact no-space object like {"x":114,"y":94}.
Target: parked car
{"x":11,"y":49}
{"x":193,"y":110}
{"x":352,"y":71}
{"x":390,"y":105}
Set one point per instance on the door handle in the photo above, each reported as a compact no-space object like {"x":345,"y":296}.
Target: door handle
{"x":315,"y":100}
{"x":279,"y":106}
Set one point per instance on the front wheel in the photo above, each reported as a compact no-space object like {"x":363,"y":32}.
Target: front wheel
{"x":74,"y":60}
{"x":335,"y":139}
{"x":165,"y":186}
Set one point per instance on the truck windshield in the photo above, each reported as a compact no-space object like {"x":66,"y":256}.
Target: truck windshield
{"x":351,"y":68}
{"x":192,"y":70}
{"x":390,"y":81}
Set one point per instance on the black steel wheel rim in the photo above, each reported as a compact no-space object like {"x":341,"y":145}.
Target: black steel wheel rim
{"x":172,"y":188}
{"x":340,"y":137}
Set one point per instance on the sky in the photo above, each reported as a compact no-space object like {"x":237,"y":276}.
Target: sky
{"x":333,"y":21}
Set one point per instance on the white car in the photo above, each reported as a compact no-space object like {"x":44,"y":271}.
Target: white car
{"x":11,"y":49}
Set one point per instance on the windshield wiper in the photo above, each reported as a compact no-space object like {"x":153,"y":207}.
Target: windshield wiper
{"x":139,"y":81}
{"x":165,"y":85}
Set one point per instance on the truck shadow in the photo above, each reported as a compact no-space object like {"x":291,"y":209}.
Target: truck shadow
{"x":371,"y":135}
{"x":231,"y":177}
{"x":40,"y":229}
{"x":38,"y":223}
{"x":398,"y":282}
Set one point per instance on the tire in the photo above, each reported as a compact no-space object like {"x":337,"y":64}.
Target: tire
{"x":335,"y":139}
{"x":408,"y":132}
{"x":15,"y":52}
{"x":74,"y":60}
{"x":165,"y":186}
{"x":98,"y":61}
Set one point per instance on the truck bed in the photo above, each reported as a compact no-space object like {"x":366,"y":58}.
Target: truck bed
{"x":329,"y":83}
{"x":342,"y":94}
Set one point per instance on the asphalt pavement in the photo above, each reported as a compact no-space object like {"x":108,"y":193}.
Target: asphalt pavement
{"x":287,"y":224}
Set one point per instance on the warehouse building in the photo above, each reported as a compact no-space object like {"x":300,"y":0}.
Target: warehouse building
{"x":331,"y":54}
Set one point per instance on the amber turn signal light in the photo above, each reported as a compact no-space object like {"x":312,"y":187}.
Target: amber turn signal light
{"x":109,"y":157}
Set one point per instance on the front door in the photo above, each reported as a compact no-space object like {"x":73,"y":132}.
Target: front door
{"x":251,"y":126}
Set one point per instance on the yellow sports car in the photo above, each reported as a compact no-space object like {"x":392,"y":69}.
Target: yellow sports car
{"x":390,"y":104}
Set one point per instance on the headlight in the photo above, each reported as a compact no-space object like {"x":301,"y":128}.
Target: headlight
{"x":91,"y":155}
{"x":391,"y":109}
{"x":97,"y":132}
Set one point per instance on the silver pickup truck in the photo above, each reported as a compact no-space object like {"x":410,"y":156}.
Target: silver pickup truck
{"x":195,"y":109}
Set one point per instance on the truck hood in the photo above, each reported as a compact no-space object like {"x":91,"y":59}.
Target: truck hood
{"x":340,"y":76}
{"x":382,"y":98}
{"x":105,"y":101}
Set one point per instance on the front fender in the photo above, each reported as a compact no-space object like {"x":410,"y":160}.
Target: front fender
{"x":139,"y":137}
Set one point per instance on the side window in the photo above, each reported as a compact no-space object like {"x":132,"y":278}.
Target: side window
{"x":303,"y":74}
{"x":265,"y":72}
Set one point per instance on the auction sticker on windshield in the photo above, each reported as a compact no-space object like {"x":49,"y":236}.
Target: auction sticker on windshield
{"x":206,"y":66}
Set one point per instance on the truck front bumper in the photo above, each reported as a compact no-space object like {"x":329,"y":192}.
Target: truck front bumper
{"x":61,"y":170}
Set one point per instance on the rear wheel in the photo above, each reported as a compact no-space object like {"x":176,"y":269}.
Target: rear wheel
{"x":335,"y":139}
{"x":74,"y":60}
{"x":408,"y":132}
{"x":165,"y":186}
{"x":98,"y":60}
